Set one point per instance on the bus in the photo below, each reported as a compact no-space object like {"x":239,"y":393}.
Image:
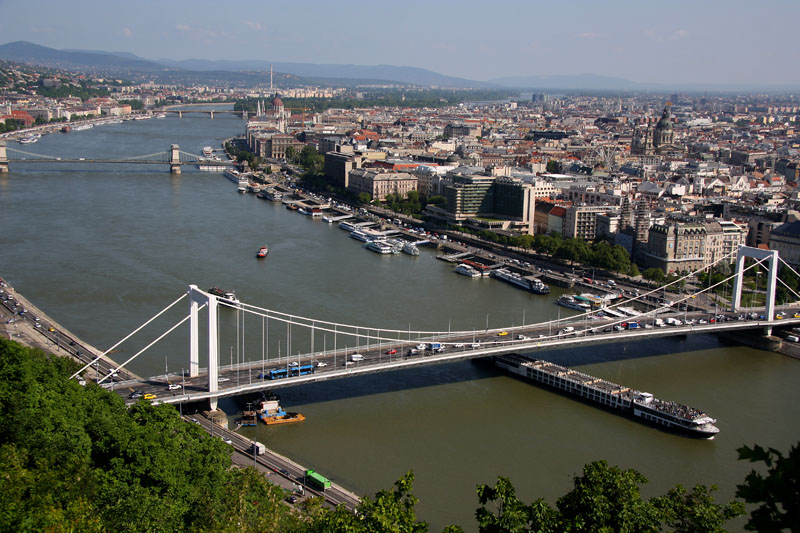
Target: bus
{"x":301,"y":370}
{"x":278,"y":373}
{"x":317,"y":481}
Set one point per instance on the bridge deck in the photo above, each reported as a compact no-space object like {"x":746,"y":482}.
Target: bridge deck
{"x":377,"y":361}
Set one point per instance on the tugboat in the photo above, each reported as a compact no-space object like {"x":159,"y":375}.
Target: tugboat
{"x":262,"y":252}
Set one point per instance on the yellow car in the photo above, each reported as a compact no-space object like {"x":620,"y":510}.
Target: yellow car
{"x":150,"y":396}
{"x":502,"y":334}
{"x":796,"y":315}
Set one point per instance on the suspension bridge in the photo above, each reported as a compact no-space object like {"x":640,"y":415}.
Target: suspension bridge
{"x":174,"y":157}
{"x":330,"y":350}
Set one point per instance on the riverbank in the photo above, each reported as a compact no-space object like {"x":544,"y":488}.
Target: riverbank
{"x":25,"y":323}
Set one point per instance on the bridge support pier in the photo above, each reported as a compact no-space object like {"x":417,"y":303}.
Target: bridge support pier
{"x":3,"y":157}
{"x":197,"y":297}
{"x":175,"y":159}
{"x":212,"y":114}
{"x":772,"y":276}
{"x":180,"y":114}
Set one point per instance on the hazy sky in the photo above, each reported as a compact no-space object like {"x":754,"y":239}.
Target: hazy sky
{"x":697,"y":41}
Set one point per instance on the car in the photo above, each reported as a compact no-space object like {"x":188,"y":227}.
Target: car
{"x":320,"y":364}
{"x":475,"y":345}
{"x":294,"y":363}
{"x":135,"y":395}
{"x":522,"y":338}
{"x":150,"y":396}
{"x":195,"y":421}
{"x":284,"y":471}
{"x":291,"y":499}
{"x":174,"y":386}
{"x":228,"y":441}
{"x":458,"y":345}
{"x":391,"y":352}
{"x":703,"y":321}
{"x":348,"y":363}
{"x":502,"y":334}
{"x":222,"y":379}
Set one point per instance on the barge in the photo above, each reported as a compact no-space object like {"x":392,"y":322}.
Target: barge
{"x":641,"y":406}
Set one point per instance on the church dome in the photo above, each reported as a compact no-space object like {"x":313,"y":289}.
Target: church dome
{"x":277,"y":102}
{"x":666,"y":121}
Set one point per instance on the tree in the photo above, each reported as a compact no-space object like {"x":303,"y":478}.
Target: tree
{"x":654,"y":274}
{"x":634,"y":271}
{"x":778,"y":493}
{"x":510,"y":514}
{"x":695,"y":511}
{"x":607,"y":498}
{"x":552,"y":166}
{"x":364,"y":197}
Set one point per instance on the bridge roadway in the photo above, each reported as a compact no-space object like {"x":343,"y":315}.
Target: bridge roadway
{"x":242,"y":379}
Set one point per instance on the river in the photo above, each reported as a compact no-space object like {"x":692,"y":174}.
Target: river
{"x":102,"y":249}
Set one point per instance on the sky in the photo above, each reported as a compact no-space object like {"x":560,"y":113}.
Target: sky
{"x":681,"y":42}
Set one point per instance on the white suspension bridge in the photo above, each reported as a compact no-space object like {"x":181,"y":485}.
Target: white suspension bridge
{"x":174,"y":157}
{"x":361,"y":349}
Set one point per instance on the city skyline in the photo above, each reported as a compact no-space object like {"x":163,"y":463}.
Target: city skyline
{"x":712,"y":42}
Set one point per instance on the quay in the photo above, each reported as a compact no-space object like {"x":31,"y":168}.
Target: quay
{"x":23,"y":322}
{"x":280,"y":470}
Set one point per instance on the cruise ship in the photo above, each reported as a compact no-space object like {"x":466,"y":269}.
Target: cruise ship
{"x":571,"y":303}
{"x":466,"y":270}
{"x":271,"y":194}
{"x":361,"y":236}
{"x":228,"y":295}
{"x":533,"y":285}
{"x":410,"y":248}
{"x":641,"y":406}
{"x":232,"y":174}
{"x":30,"y":139}
{"x":347,"y":226}
{"x":381,"y":247}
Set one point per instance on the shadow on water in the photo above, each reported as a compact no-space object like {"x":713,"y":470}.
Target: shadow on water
{"x":463,"y":371}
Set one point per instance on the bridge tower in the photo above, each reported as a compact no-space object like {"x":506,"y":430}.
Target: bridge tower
{"x":772,"y":276}
{"x":212,"y":114}
{"x":197,"y":298}
{"x":175,"y":159}
{"x":3,"y":157}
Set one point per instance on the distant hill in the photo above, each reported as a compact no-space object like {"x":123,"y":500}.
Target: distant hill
{"x":251,"y":71}
{"x":580,"y":81}
{"x":387,"y":73}
{"x":25,"y":52}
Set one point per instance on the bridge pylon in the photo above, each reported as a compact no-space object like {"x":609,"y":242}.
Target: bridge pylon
{"x":772,"y":276}
{"x":3,"y":157}
{"x":175,"y":159}
{"x":197,"y":298}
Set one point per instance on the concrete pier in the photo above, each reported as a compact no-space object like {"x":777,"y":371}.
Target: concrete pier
{"x":3,"y":157}
{"x":175,"y":159}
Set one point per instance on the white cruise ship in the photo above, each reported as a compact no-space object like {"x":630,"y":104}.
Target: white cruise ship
{"x":466,"y":270}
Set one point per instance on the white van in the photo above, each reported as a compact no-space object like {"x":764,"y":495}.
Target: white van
{"x":356,"y":357}
{"x":792,"y":338}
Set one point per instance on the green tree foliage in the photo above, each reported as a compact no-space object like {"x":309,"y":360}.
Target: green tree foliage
{"x":310,"y":159}
{"x":654,"y":274}
{"x":607,"y":498}
{"x":391,"y":511}
{"x":777,"y":493}
{"x":604,"y":499}
{"x":695,"y":511}
{"x":75,"y":458}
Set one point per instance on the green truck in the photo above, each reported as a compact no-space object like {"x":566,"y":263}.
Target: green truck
{"x":317,"y":481}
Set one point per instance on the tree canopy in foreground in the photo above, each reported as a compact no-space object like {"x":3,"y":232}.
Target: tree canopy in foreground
{"x":75,"y":458}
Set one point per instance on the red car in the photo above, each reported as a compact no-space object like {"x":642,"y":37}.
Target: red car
{"x":391,"y":352}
